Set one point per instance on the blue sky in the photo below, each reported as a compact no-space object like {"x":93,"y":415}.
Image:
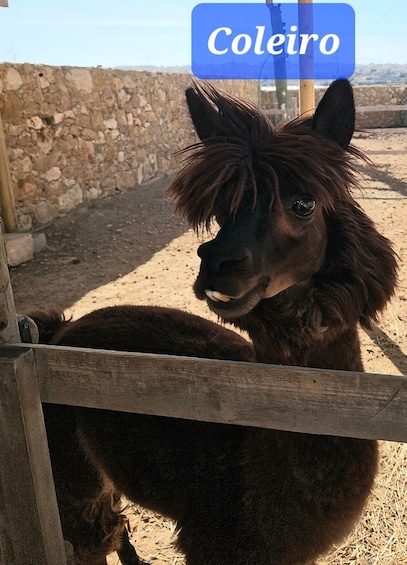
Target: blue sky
{"x":143,"y":32}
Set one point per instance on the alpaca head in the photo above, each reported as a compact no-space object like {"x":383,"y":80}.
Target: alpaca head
{"x":281,"y":197}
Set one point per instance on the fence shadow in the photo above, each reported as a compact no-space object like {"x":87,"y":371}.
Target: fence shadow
{"x":97,"y":243}
{"x":384,"y":177}
{"x":389,"y":347}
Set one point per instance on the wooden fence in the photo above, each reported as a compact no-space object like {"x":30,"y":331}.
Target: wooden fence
{"x":360,"y":110}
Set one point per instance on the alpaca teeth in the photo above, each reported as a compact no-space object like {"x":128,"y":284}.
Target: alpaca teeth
{"x":217,"y":296}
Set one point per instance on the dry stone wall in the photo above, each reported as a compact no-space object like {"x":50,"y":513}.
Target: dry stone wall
{"x":75,"y":134}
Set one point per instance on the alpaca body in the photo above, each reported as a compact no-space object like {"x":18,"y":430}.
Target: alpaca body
{"x":222,"y":484}
{"x":89,"y":502}
{"x":298,"y":265}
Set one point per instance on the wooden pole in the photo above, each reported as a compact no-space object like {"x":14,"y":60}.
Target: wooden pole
{"x":9,"y":332}
{"x":7,"y":205}
{"x":30,"y":528}
{"x":307,"y":92}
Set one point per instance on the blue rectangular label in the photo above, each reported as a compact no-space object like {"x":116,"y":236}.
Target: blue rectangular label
{"x":273,"y":41}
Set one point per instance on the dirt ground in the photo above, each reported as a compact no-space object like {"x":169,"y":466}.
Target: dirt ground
{"x":130,"y":248}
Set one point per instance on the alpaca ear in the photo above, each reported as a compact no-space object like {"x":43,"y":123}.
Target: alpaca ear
{"x":335,"y":115}
{"x":203,"y":114}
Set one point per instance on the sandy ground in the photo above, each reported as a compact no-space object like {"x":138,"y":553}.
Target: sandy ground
{"x":130,"y":248}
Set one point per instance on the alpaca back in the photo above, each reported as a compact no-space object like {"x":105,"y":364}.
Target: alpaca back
{"x":103,"y":445}
{"x":145,"y":329}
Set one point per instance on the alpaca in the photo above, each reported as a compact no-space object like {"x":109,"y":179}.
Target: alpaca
{"x":90,"y":505}
{"x":298,"y":265}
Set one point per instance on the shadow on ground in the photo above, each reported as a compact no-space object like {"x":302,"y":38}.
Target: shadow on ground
{"x":95,"y":244}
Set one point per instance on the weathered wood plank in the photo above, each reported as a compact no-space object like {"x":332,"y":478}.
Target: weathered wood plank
{"x":30,"y":527}
{"x":7,"y":204}
{"x":359,"y":109}
{"x":382,"y":108}
{"x":8,"y":321}
{"x":288,"y":398}
{"x":306,"y":90}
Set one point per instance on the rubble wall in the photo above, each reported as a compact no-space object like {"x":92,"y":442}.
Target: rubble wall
{"x":75,"y":134}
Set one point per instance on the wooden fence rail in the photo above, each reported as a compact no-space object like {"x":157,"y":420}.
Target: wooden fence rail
{"x":30,"y":528}
{"x":292,"y":112}
{"x":269,"y":396}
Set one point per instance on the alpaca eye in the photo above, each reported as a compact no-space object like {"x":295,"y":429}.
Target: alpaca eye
{"x":304,"y":206}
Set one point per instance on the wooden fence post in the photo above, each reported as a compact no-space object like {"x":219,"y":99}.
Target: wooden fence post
{"x":7,"y":204}
{"x":306,"y":86}
{"x":30,"y":528}
{"x":8,"y":320}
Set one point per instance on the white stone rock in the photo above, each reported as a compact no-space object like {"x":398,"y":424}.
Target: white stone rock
{"x":13,"y":79}
{"x":111,"y":123}
{"x":19,"y":248}
{"x":140,"y":173}
{"x":69,"y":182}
{"x":58,"y":117}
{"x":123,"y":97}
{"x":35,"y":122}
{"x":93,"y":192}
{"x":70,"y":199}
{"x":24,"y":222}
{"x":81,"y":79}
{"x":53,"y":174}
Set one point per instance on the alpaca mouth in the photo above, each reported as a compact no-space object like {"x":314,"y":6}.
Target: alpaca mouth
{"x":216,"y":296}
{"x":228,"y":306}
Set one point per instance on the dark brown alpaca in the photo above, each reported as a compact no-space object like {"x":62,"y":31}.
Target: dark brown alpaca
{"x":89,"y":504}
{"x":298,"y":265}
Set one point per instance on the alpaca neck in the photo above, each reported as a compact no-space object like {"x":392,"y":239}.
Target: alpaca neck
{"x":288,"y":330}
{"x":334,"y":350}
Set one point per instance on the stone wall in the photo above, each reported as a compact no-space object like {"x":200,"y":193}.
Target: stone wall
{"x":377,"y":96}
{"x":75,"y":134}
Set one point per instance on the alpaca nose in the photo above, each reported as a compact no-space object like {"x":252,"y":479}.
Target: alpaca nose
{"x":219,"y":259}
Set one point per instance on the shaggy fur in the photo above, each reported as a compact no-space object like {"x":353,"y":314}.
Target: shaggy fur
{"x":297,"y":264}
{"x":89,"y":502}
